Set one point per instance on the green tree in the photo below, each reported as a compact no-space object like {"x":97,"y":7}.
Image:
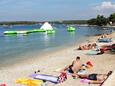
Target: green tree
{"x":92,"y":21}
{"x":112,"y":17}
{"x":101,"y":20}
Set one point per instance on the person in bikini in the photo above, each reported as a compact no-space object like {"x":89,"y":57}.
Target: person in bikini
{"x":94,"y":77}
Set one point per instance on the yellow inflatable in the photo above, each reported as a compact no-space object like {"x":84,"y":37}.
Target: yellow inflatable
{"x":29,"y":82}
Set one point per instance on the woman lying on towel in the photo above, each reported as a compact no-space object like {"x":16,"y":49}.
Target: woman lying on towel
{"x":87,"y":47}
{"x":95,"y":78}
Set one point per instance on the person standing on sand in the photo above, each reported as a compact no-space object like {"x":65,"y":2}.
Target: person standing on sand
{"x":74,"y":67}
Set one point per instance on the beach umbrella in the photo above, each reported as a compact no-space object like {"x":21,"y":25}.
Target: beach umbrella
{"x":29,"y":82}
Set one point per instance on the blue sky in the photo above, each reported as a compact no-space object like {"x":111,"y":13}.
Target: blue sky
{"x":43,"y":10}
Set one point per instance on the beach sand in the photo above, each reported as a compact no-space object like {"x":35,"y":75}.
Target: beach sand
{"x":50,"y":63}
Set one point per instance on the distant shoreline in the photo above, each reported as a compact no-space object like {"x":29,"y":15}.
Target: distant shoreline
{"x":80,"y":23}
{"x":38,"y":22}
{"x":86,"y":25}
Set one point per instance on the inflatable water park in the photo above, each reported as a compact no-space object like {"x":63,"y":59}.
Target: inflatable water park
{"x":46,"y":27}
{"x":70,"y":29}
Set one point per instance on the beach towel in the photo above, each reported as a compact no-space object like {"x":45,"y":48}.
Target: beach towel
{"x":29,"y":82}
{"x":84,"y":80}
{"x":92,"y":52}
{"x":106,"y":40}
{"x":54,"y":79}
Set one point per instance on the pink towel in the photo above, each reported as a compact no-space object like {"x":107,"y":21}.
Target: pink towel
{"x":84,"y":80}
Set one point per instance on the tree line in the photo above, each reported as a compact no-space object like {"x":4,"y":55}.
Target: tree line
{"x":19,"y":23}
{"x":101,"y":20}
{"x":37,"y":22}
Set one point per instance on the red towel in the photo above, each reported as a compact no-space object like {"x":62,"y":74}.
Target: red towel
{"x":2,"y":84}
{"x":62,"y":77}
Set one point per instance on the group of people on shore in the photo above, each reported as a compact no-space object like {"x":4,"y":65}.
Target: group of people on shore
{"x":93,"y":78}
{"x":76,"y":64}
{"x":105,"y":36}
{"x":102,"y":44}
{"x":87,"y":46}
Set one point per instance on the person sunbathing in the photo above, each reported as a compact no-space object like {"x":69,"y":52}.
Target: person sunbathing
{"x":87,"y":47}
{"x":103,"y":36}
{"x":82,"y":47}
{"x":95,"y":78}
{"x":94,"y":45}
{"x":74,"y":67}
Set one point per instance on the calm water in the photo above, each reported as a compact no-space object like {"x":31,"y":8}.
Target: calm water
{"x":19,"y":47}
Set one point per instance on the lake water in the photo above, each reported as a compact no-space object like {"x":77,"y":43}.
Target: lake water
{"x":18,"y":47}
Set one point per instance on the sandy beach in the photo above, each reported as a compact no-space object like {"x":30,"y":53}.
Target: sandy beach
{"x":50,"y":62}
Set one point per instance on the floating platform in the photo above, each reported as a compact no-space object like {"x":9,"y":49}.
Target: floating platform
{"x":29,"y":31}
{"x":15,"y":32}
{"x":70,"y":29}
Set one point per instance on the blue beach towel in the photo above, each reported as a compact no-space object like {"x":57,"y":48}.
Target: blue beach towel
{"x":92,"y":52}
{"x":106,"y":40}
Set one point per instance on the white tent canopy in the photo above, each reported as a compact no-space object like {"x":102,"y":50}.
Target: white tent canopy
{"x":46,"y":26}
